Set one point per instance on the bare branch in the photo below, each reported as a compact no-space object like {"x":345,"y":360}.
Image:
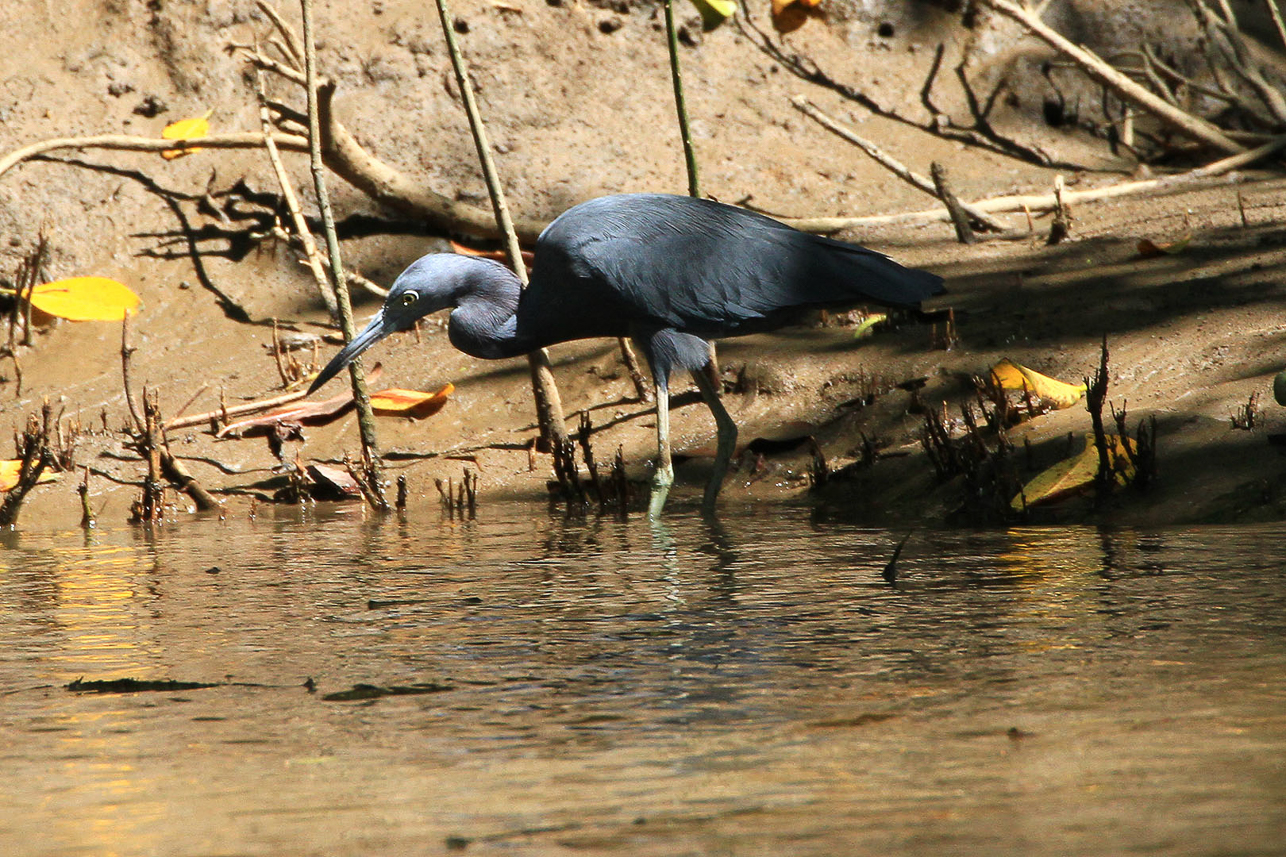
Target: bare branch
{"x":1118,"y":82}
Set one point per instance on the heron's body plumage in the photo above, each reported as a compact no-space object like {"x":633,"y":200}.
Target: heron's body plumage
{"x":672,"y":272}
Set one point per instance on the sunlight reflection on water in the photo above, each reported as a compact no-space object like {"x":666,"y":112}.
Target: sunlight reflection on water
{"x":748,"y":685}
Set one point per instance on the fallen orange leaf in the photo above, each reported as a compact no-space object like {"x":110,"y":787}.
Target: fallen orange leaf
{"x":790,"y":15}
{"x":412,"y":404}
{"x":528,"y":257}
{"x":10,"y":470}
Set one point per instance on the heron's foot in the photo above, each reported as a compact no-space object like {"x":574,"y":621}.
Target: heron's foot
{"x":662,"y":479}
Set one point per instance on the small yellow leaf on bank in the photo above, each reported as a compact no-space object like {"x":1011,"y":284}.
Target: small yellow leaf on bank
{"x":412,"y":404}
{"x":9,"y":471}
{"x":1009,"y":375}
{"x":867,"y":325}
{"x":186,"y":129}
{"x":714,"y":12}
{"x":85,"y":299}
{"x":1075,"y":474}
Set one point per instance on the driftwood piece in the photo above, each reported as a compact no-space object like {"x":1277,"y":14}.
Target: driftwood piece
{"x":1127,"y":89}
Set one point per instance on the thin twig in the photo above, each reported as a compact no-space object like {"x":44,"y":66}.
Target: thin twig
{"x":959,"y":217}
{"x":223,"y":414}
{"x":680,"y":104}
{"x":1277,"y":19}
{"x":292,"y":201}
{"x":1118,"y":82}
{"x":129,"y":143}
{"x":887,"y":161}
{"x":126,"y":350}
{"x":549,"y":407}
{"x":365,"y":418}
{"x":1047,"y":202}
{"x":293,"y":51}
{"x":631,"y":362}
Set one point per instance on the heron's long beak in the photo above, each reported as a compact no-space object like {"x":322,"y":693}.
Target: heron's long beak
{"x":371,"y":334}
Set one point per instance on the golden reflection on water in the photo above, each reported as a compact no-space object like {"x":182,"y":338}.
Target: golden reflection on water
{"x":756,"y":683}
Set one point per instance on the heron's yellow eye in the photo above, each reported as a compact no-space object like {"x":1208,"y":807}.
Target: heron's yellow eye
{"x":408,"y":298}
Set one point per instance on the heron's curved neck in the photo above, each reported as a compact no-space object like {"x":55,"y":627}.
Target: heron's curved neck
{"x":484,"y":321}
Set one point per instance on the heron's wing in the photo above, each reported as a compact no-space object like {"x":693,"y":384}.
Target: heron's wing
{"x":713,"y":269}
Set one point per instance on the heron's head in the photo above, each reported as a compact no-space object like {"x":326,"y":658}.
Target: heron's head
{"x":431,"y":283}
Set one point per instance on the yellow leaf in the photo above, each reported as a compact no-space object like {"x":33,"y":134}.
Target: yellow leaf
{"x":410,"y":403}
{"x":714,"y":12}
{"x":186,"y":129}
{"x":1077,"y":473}
{"x":1009,"y":375}
{"x":868,"y":324}
{"x":85,"y":299}
{"x":9,"y":471}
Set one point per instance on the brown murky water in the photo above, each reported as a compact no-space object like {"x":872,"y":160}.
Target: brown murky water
{"x":605,"y":686}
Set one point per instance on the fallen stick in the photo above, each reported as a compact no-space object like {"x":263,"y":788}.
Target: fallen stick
{"x":1095,"y":67}
{"x":1048,"y":201}
{"x":885,"y":160}
{"x":955,"y":208}
{"x":129,"y":143}
{"x":235,"y":411}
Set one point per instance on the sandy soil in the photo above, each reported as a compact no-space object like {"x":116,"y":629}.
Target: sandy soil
{"x":578,"y":103}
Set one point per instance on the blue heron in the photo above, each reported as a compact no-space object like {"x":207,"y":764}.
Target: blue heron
{"x":670,"y":272}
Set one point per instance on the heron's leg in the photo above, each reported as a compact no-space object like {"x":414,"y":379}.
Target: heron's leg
{"x":663,"y":477}
{"x":727,"y":442}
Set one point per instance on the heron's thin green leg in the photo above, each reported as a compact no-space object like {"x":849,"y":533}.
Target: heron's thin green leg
{"x":727,"y":442}
{"x":663,"y":477}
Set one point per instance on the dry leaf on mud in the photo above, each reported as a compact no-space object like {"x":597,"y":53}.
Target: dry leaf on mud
{"x":186,"y":129}
{"x":1149,"y":249}
{"x":85,"y":299}
{"x":1075,"y":474}
{"x":714,"y":12}
{"x":528,"y":257}
{"x":412,"y":404}
{"x":790,"y":15}
{"x":305,"y":414}
{"x":332,"y":483}
{"x":10,"y":470}
{"x":1009,"y":375}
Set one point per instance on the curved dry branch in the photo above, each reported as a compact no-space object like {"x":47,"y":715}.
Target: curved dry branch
{"x":1122,"y":85}
{"x":1048,"y":201}
{"x":129,"y":143}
